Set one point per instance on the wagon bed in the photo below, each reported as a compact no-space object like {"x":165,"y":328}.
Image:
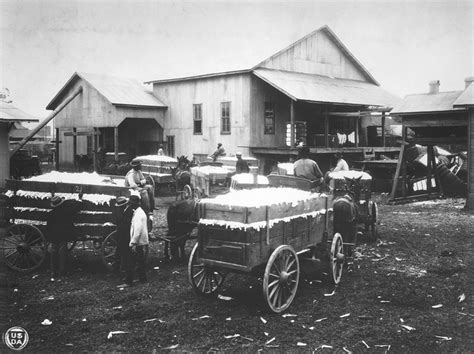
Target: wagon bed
{"x":27,"y":208}
{"x":264,"y":238}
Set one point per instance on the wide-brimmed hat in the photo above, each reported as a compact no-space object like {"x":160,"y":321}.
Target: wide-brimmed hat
{"x":134,"y":200}
{"x":135,"y":163}
{"x":56,"y":201}
{"x":121,"y":201}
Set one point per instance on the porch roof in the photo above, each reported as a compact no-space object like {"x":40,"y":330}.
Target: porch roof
{"x":325,"y":89}
{"x":10,"y":113}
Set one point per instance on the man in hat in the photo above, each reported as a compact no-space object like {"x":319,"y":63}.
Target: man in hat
{"x":306,"y":167}
{"x":59,"y":230}
{"x":219,"y":152}
{"x":123,"y":216}
{"x":136,"y":180}
{"x":138,"y":241}
{"x":241,"y":166}
{"x":341,"y":164}
{"x":161,"y":152}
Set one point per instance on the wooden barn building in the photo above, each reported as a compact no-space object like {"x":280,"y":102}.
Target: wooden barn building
{"x":104,"y":113}
{"x":313,"y":91}
{"x":436,"y":119}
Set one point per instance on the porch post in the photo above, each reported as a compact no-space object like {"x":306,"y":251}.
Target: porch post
{"x":383,"y":129}
{"x":292,"y":123}
{"x":56,"y":157}
{"x":94,"y":150}
{"x":116,"y":147}
{"x":74,"y":148}
{"x":326,"y":126}
{"x":356,"y":137}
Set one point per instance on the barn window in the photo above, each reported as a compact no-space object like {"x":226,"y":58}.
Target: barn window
{"x":269,"y":118}
{"x":197,"y":118}
{"x":225,"y":117}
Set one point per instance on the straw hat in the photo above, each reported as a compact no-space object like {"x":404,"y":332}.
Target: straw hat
{"x":56,"y":201}
{"x":121,"y":201}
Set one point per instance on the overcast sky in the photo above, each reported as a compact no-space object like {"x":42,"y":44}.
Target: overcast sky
{"x":403,"y":44}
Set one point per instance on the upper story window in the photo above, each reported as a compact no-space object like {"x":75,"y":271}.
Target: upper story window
{"x":225,"y":117}
{"x":197,"y":118}
{"x":269,"y":118}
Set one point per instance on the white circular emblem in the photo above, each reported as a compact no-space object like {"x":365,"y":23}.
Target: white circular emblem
{"x":16,"y":338}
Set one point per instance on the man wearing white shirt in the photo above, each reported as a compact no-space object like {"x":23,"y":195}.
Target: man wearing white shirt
{"x":136,"y":180}
{"x":138,"y":240}
{"x":341,"y":163}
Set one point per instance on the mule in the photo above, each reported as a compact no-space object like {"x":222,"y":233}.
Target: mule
{"x":181,"y":174}
{"x":182,"y":217}
{"x":346,"y":213}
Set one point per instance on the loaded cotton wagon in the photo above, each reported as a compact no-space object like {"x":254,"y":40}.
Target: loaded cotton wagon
{"x":265,"y":231}
{"x":28,"y":203}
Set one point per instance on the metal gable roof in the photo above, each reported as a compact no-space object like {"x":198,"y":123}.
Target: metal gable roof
{"x":118,"y":91}
{"x":317,"y":88}
{"x":466,"y":99}
{"x":10,"y":113}
{"x":427,"y":102}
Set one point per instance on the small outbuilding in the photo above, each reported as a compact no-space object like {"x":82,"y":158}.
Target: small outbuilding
{"x":432,"y":119}
{"x":106,"y":115}
{"x":9,"y":116}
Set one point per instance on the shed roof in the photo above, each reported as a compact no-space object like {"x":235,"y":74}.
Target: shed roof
{"x":466,"y":99}
{"x":317,"y":88}
{"x":427,"y":102}
{"x":10,"y":113}
{"x":118,"y":91}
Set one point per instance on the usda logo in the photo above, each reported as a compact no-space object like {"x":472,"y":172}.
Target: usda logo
{"x":16,"y":338}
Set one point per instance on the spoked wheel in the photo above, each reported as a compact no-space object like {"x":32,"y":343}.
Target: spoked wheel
{"x":371,"y":225}
{"x":336,"y":259}
{"x":204,"y":280}
{"x":187,"y":192}
{"x":109,"y":250}
{"x":23,"y":247}
{"x":281,"y":278}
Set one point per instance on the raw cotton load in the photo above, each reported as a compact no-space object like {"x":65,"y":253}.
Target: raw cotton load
{"x":261,"y":197}
{"x":215,"y":171}
{"x":259,"y":208}
{"x":248,"y":178}
{"x":157,"y":158}
{"x":286,"y":168}
{"x":75,"y":178}
{"x":350,"y":174}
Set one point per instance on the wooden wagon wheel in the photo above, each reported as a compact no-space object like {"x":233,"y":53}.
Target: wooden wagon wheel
{"x":109,"y":250}
{"x":371,"y":224}
{"x":204,"y":280}
{"x":24,"y":247}
{"x":336,"y":259}
{"x":281,"y":277}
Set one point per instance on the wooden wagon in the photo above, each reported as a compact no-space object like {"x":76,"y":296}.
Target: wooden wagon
{"x":367,"y":208}
{"x":208,"y":181}
{"x":24,"y":245}
{"x":159,"y":169}
{"x":266,"y":239}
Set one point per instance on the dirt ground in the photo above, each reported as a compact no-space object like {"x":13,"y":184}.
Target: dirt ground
{"x":411,"y":291}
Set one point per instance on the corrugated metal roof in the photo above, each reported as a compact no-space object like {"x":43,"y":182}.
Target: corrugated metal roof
{"x":10,"y":113}
{"x":427,"y":102}
{"x":118,"y":91}
{"x":316,"y":88}
{"x":466,"y":99}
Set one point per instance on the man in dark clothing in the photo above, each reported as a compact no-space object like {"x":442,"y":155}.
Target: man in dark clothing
{"x":123,"y":216}
{"x":220,"y":151}
{"x":241,"y":166}
{"x":306,"y":167}
{"x":59,"y":230}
